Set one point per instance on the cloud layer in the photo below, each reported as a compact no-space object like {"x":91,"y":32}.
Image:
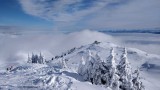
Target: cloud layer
{"x":96,"y":14}
{"x":14,"y":49}
{"x":63,"y":10}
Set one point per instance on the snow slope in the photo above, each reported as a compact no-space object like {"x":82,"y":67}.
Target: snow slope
{"x":61,"y":72}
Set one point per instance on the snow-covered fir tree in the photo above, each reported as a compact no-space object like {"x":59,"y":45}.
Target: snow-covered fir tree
{"x":29,"y":59}
{"x":137,"y":84}
{"x":81,"y":65}
{"x":113,"y":80}
{"x":111,"y":59}
{"x":88,"y":69}
{"x":36,"y":58}
{"x":108,"y":73}
{"x":125,"y":72}
{"x":129,"y":81}
{"x":96,"y":70}
{"x":64,"y":63}
{"x":99,"y":72}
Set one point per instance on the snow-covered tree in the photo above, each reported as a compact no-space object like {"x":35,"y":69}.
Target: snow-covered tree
{"x":64,"y":63}
{"x":90,"y":68}
{"x":108,"y":73}
{"x":36,"y":59}
{"x":137,"y":84}
{"x":96,"y":70}
{"x":41,"y":59}
{"x":29,"y":59}
{"x":111,"y":59}
{"x":96,"y":42}
{"x":125,"y":72}
{"x":81,"y":65}
{"x":84,"y":68}
{"x":113,"y":77}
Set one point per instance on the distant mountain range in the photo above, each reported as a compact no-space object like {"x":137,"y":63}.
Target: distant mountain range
{"x":154,"y":31}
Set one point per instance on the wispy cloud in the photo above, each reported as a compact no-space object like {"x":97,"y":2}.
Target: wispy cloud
{"x":96,"y":14}
{"x":62,"y":10}
{"x":138,"y":14}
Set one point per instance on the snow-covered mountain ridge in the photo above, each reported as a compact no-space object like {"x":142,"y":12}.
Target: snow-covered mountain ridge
{"x":136,"y":57}
{"x":64,"y":72}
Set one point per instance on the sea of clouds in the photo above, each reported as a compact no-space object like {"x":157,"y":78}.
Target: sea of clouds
{"x":14,"y":49}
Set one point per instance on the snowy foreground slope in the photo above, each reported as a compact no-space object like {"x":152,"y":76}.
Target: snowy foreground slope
{"x":67,"y":71}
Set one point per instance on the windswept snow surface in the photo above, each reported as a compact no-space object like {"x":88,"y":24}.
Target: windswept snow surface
{"x":61,"y":72}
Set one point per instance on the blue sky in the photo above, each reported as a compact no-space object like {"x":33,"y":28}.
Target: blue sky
{"x":12,"y":15}
{"x":73,"y":15}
